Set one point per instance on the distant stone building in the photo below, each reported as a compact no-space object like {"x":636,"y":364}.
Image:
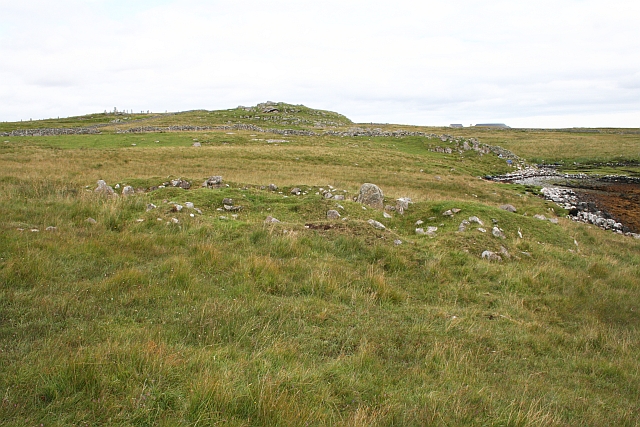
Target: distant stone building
{"x":492,"y":125}
{"x":455,"y":125}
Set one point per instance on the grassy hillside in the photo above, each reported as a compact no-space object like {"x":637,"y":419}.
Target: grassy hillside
{"x":166,"y":317}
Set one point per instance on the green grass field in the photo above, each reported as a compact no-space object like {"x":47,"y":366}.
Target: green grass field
{"x":139,"y":320}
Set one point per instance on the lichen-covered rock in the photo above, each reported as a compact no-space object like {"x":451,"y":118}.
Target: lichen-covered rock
{"x":508,"y":208}
{"x":371,"y":195}
{"x":333,"y":214}
{"x":128,"y":191}
{"x":213,"y":182}
{"x":376,"y":224}
{"x":402,"y":204}
{"x":105,"y":189}
{"x":491,"y":256}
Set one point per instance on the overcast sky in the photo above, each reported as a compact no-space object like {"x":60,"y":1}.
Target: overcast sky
{"x":559,"y":63}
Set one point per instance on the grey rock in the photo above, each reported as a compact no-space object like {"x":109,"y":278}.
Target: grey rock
{"x":273,"y":187}
{"x":491,"y":256}
{"x":540,"y":217}
{"x":508,"y":208}
{"x":456,"y":210}
{"x":376,"y":224}
{"x":128,"y":191}
{"x":197,"y":144}
{"x":397,"y":242}
{"x":463,"y":225}
{"x":420,"y":231}
{"x":51,"y":228}
{"x":419,"y":222}
{"x":402,"y":204}
{"x":103,"y":188}
{"x":227,"y":201}
{"x":91,"y":220}
{"x":338,"y":197}
{"x":180,"y":183}
{"x":553,"y":220}
{"x":333,"y":214}
{"x":497,"y":233}
{"x":150,"y":206}
{"x":296,"y":191}
{"x":213,"y":182}
{"x":271,"y":220}
{"x":176,"y":208}
{"x":230,"y":208}
{"x":448,"y":212}
{"x":482,"y":230}
{"x":371,"y":195}
{"x":188,"y":205}
{"x":476,"y":220}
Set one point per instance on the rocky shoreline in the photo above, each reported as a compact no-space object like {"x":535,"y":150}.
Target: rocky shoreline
{"x":580,"y":208}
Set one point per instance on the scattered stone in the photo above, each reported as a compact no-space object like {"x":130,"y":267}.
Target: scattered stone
{"x":519,"y":233}
{"x":273,"y":187}
{"x":338,"y":197}
{"x":229,"y":208}
{"x":117,"y":186}
{"x":150,"y":206}
{"x":91,"y":220}
{"x":431,"y":231}
{"x":497,"y":233}
{"x":296,"y":191}
{"x":402,"y":204}
{"x":213,"y":182}
{"x":271,"y":220}
{"x":491,"y":256}
{"x":176,"y":208}
{"x":386,"y":215}
{"x":340,"y":207}
{"x":482,"y":230}
{"x":128,"y":191}
{"x":333,"y":214}
{"x":508,"y":208}
{"x":103,"y":188}
{"x":553,"y":220}
{"x":139,"y":220}
{"x":371,"y":195}
{"x":376,"y":224}
{"x":327,"y":195}
{"x":198,"y":210}
{"x":448,"y":212}
{"x":192,"y":215}
{"x":180,"y":183}
{"x":51,"y":228}
{"x":463,"y":226}
{"x":227,"y":201}
{"x":419,"y":222}
{"x":188,"y":205}
{"x":420,"y":231}
{"x":540,"y":217}
{"x":34,"y":230}
{"x":397,"y":242}
{"x":455,"y":210}
{"x":476,"y":220}
{"x":197,"y":144}
{"x":174,"y":220}
{"x":504,"y":252}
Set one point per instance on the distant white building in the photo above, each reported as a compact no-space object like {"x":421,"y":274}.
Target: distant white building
{"x":492,"y":125}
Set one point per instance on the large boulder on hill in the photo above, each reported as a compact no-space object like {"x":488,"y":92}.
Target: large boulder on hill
{"x":371,"y":195}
